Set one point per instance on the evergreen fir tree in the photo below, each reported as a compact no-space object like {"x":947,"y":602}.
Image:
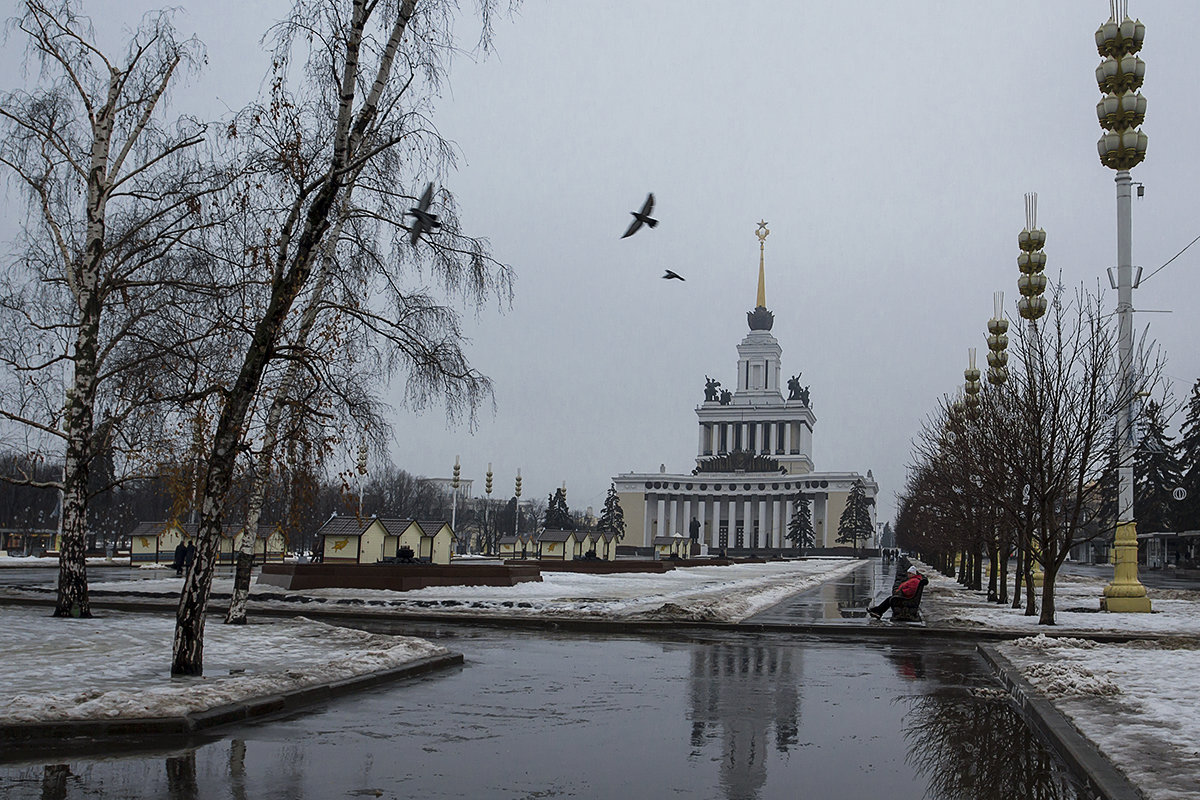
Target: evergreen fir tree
{"x":1156,"y":474}
{"x":855,"y":523}
{"x":558,"y":516}
{"x":1110,"y":490}
{"x":1189,"y":463}
{"x":800,"y":528}
{"x":612,"y":517}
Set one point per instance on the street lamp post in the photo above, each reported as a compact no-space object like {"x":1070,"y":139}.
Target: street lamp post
{"x":1032,"y":306}
{"x":487,"y":486}
{"x":997,"y":375}
{"x":454,"y":498}
{"x":1122,"y":147}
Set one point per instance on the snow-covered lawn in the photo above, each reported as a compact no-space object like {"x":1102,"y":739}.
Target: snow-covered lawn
{"x":117,"y":665}
{"x":1138,"y":702}
{"x":52,"y":561}
{"x":1077,"y":606}
{"x":724,"y":594}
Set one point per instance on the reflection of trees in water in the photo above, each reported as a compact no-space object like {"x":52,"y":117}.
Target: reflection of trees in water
{"x":738,"y":693}
{"x":977,"y":748}
{"x":54,"y":781}
{"x":181,"y":777}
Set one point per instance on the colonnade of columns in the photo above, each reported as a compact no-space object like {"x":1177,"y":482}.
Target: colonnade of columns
{"x":761,"y":519}
{"x":764,"y":438}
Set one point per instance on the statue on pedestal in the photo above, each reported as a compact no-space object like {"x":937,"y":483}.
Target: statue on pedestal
{"x":710,"y":389}
{"x":804,"y":396}
{"x":726,"y":397}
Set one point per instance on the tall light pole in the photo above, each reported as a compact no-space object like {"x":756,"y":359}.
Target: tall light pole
{"x":517,"y":506}
{"x":1122,"y":147}
{"x":1032,"y":306}
{"x":454,"y":498}
{"x":487,"y":486}
{"x":997,"y":375}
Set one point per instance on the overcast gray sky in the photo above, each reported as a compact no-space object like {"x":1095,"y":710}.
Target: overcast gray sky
{"x":888,"y":145}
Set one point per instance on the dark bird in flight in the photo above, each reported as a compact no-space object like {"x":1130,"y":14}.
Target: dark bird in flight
{"x":668,"y":275}
{"x":424,"y":222}
{"x":642,"y":217}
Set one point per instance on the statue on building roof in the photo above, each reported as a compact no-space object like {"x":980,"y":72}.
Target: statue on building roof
{"x":710,"y":389}
{"x":794,"y":387}
{"x":804,"y":396}
{"x":726,"y":397}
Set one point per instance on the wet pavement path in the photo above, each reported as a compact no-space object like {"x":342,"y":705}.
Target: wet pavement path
{"x":837,"y":600}
{"x":726,"y":715}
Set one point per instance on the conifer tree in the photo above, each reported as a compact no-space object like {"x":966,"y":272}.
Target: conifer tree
{"x":612,"y":517}
{"x":1156,"y":475}
{"x":855,"y":523}
{"x":1189,"y":463}
{"x":800,"y":528}
{"x":558,"y":515}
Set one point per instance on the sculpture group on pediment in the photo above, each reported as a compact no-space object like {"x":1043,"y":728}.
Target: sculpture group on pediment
{"x":726,"y":397}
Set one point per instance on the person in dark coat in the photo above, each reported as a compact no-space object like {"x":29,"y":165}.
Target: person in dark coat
{"x":907,"y":589}
{"x":189,"y":555}
{"x":180,"y":555}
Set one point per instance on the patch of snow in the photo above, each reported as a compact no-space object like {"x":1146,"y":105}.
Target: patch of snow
{"x":119,"y":664}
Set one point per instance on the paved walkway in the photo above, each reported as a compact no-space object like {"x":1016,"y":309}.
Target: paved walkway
{"x":839,"y":600}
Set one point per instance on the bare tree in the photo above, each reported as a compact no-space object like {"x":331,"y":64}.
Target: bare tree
{"x":344,"y":127}
{"x":112,"y":190}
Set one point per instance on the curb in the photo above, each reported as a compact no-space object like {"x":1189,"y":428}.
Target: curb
{"x":23,"y":739}
{"x":821,"y":630}
{"x":1082,"y":757}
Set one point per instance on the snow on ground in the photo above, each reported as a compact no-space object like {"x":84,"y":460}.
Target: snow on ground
{"x":52,"y":561}
{"x":718,"y":593}
{"x":1077,"y":609}
{"x":121,"y":663}
{"x":1138,"y":702}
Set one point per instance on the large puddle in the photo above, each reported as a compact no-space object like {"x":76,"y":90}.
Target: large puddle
{"x":545,"y":716}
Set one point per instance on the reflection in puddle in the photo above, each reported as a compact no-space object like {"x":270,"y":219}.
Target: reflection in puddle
{"x":977,"y":747}
{"x":734,"y":717}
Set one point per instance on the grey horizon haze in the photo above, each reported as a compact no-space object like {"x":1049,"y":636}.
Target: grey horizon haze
{"x":888,"y":146}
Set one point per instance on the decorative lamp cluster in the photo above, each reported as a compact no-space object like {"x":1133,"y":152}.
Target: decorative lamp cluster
{"x":1031,"y":261}
{"x":973,"y":387}
{"x":997,"y":342}
{"x":1120,"y":76}
{"x":454,"y":482}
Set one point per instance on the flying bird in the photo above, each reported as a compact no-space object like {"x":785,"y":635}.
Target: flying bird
{"x":642,"y":217}
{"x":424,"y":222}
{"x":668,"y":275}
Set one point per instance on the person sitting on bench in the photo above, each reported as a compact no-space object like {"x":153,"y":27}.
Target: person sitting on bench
{"x":907,"y":590}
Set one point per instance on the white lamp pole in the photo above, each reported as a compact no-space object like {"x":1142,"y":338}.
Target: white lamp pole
{"x":454,"y":498}
{"x":1121,"y":148}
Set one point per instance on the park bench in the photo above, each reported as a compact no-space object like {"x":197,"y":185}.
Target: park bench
{"x":906,"y":609}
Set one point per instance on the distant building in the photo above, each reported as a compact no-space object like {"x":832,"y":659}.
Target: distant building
{"x":754,"y":457}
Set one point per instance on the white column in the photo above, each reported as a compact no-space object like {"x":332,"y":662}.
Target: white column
{"x":771,"y":435}
{"x":700,"y":447}
{"x":646,"y":518}
{"x":787,"y":437}
{"x":760,"y":438}
{"x":662,"y":516}
{"x":673,"y":517}
{"x":776,"y":523}
{"x":764,"y":531}
{"x":703,"y":517}
{"x":745,"y":435}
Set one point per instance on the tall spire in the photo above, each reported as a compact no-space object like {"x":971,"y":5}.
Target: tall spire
{"x":762,"y":233}
{"x":760,"y":319}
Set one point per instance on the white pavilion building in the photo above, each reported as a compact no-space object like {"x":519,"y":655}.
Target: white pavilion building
{"x":754,"y":457}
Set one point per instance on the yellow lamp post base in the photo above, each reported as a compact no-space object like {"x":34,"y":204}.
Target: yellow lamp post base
{"x":1125,"y":594}
{"x":1126,"y":605}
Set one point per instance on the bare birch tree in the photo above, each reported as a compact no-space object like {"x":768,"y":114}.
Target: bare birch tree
{"x":112,"y":189}
{"x":348,"y":124}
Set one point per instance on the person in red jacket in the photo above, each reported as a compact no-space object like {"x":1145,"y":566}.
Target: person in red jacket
{"x":907,"y":589}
